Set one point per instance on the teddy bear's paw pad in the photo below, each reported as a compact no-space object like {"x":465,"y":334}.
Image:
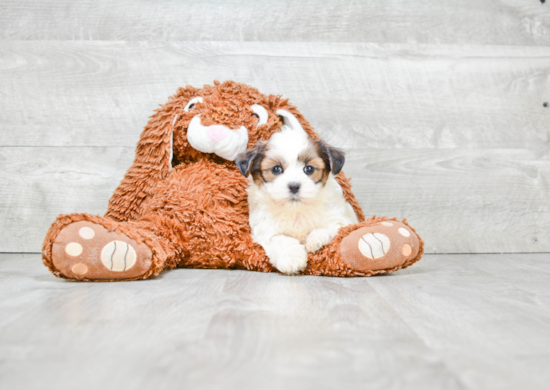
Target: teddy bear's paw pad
{"x":383,"y":246}
{"x":118,"y":256}
{"x":85,"y":250}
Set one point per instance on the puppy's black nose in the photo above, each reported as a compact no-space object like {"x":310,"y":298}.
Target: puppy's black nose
{"x":294,"y":187}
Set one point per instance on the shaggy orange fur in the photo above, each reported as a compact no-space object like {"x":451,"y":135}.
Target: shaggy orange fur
{"x":190,"y":208}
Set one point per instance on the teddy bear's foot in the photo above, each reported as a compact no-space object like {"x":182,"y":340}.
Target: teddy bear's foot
{"x":384,"y":246}
{"x":88,"y":251}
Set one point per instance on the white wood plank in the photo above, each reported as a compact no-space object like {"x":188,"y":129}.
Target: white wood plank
{"x":460,"y":201}
{"x":37,"y":184}
{"x":448,"y":322}
{"x":377,"y":96}
{"x":499,"y":22}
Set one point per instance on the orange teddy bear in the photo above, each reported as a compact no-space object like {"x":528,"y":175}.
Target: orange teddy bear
{"x":183,"y":202}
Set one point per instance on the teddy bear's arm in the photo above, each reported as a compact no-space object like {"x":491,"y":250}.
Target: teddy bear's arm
{"x":349,"y":196}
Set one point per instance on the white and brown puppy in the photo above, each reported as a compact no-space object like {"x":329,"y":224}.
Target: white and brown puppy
{"x":296,"y":205}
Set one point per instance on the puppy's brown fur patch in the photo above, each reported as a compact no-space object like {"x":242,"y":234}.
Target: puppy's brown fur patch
{"x":255,"y":162}
{"x":266,"y":166}
{"x":318,"y":158}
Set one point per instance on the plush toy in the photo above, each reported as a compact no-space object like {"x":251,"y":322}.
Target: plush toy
{"x":183,"y":202}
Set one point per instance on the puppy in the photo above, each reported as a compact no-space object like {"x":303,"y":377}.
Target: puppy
{"x":296,"y":205}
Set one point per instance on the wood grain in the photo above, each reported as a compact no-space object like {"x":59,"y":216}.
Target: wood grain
{"x":499,"y":22}
{"x":439,"y":106}
{"x":455,"y":139}
{"x":460,"y":201}
{"x":449,"y":322}
{"x":376,"y":96}
{"x":37,"y":184}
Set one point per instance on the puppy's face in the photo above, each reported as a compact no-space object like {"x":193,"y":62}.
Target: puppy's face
{"x":291,"y":167}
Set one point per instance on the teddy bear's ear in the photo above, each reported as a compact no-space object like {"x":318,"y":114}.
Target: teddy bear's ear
{"x":291,"y":116}
{"x":290,"y":120}
{"x":152,"y":162}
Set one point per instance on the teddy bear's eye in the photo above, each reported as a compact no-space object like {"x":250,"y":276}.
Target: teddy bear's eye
{"x":192,"y":102}
{"x":277,"y":170}
{"x":260,"y":113}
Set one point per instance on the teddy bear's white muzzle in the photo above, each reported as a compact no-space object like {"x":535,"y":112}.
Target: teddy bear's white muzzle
{"x":220,"y":140}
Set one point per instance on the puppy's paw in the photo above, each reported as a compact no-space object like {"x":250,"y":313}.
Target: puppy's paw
{"x":318,"y":238}
{"x":293,"y":262}
{"x":287,"y":255}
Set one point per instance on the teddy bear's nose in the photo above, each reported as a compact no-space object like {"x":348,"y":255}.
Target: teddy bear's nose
{"x":217,"y":133}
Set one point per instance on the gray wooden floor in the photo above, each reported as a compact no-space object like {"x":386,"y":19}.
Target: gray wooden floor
{"x":449,"y":322}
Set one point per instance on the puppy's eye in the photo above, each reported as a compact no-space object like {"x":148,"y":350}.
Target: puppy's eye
{"x":191,"y":106}
{"x":308,"y":170}
{"x":256,"y":115}
{"x":277,"y":170}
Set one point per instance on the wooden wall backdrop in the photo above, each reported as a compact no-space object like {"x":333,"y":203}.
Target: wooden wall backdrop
{"x":439,"y":105}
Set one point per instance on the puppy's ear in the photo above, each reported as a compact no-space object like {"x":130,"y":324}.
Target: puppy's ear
{"x":245,"y":159}
{"x":337,"y":159}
